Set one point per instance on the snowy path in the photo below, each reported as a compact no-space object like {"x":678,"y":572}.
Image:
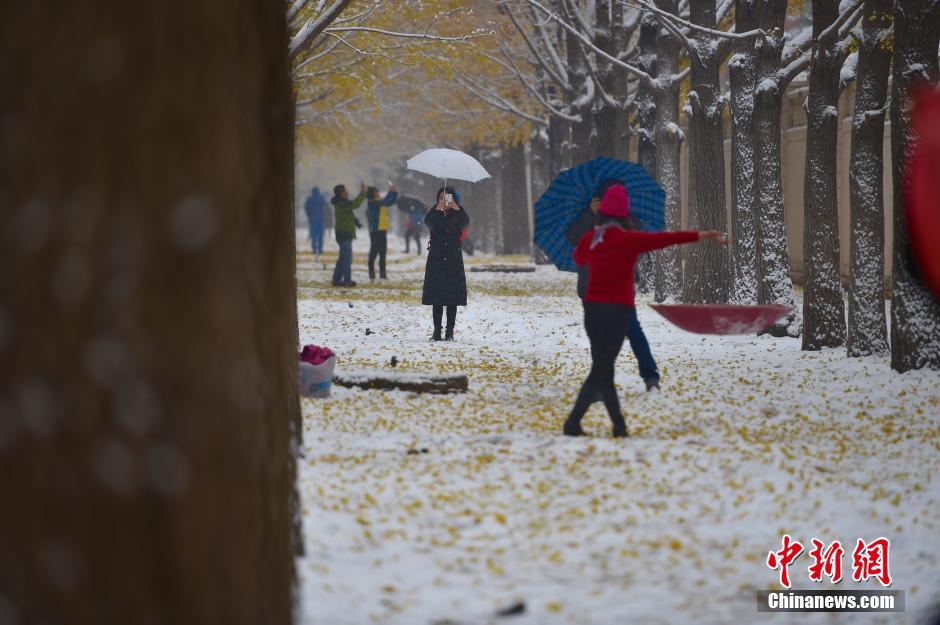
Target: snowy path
{"x":749,"y":438}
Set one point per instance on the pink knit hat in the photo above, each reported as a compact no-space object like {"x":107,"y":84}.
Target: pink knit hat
{"x":616,"y":202}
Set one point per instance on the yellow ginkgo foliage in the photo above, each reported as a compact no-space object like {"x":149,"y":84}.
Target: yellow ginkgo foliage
{"x":393,"y":76}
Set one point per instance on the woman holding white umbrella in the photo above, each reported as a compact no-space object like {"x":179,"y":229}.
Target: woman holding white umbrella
{"x":445,"y":283}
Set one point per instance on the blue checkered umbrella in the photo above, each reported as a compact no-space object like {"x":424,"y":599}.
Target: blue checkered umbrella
{"x":571,"y":192}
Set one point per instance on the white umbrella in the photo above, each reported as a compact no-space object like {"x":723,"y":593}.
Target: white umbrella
{"x":448,"y":164}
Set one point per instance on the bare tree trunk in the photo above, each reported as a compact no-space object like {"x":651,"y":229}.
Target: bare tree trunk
{"x":823,"y":306}
{"x":775,"y":284}
{"x":646,"y":131}
{"x":541,"y":167}
{"x":486,"y":215}
{"x":742,"y":69}
{"x":915,"y":314}
{"x":646,"y":96}
{"x":611,"y":123}
{"x":584,"y":144}
{"x":515,"y":217}
{"x":707,"y":267}
{"x":558,"y":152}
{"x":867,"y":329}
{"x":668,"y":141}
{"x":148,"y":368}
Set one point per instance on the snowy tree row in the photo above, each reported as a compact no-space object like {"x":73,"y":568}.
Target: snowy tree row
{"x":599,"y":72}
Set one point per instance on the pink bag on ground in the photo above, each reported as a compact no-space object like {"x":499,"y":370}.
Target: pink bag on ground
{"x":315,"y":372}
{"x":315,"y":355}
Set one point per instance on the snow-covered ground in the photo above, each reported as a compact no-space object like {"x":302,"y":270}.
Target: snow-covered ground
{"x":430,"y":509}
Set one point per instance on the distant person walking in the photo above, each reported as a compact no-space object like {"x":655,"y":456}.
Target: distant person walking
{"x":445,"y":284}
{"x":414,"y":210}
{"x":377,"y":214}
{"x":315,"y":207}
{"x":346,"y":224}
{"x":610,"y":251}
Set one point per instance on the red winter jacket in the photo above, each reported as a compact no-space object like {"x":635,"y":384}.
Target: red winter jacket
{"x":610,"y":263}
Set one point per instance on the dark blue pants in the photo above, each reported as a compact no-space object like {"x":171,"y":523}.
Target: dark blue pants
{"x":378,"y":248}
{"x":316,"y":238}
{"x":641,"y":348}
{"x":343,"y":271}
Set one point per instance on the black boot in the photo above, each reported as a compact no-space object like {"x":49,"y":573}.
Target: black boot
{"x":449,"y":334}
{"x":573,"y":428}
{"x":437,"y":334}
{"x":620,"y":429}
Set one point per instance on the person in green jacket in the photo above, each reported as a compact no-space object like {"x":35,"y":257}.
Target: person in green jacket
{"x":345,"y":228}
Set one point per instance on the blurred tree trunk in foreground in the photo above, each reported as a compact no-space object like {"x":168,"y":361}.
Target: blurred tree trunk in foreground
{"x":147,"y":312}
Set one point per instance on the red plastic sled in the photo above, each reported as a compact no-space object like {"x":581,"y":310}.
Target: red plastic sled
{"x":721,"y":318}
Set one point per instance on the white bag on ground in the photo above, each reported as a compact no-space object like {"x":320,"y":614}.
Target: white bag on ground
{"x":316,"y":380}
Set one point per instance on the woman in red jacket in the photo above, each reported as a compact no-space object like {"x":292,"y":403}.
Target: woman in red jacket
{"x":610,"y":251}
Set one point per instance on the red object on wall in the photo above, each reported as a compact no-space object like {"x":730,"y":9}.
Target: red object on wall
{"x":922,"y":201}
{"x":721,"y":318}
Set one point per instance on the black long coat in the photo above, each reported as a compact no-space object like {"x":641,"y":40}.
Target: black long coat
{"x":445,"y":283}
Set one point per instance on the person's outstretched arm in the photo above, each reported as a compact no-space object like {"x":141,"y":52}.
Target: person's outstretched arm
{"x":390,"y":198}
{"x":649,"y":241}
{"x":358,"y":200}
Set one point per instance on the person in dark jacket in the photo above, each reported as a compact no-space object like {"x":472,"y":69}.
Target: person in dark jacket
{"x":445,"y":284}
{"x":586,"y":221}
{"x":345,"y":229}
{"x":315,"y":207}
{"x":414,"y":210}
{"x":610,"y":251}
{"x":377,"y":214}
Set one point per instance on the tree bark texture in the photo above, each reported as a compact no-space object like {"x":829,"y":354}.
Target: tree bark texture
{"x":646,"y":95}
{"x":867,"y":327}
{"x":515,"y":217}
{"x":707,"y":266}
{"x":823,"y":306}
{"x":611,"y":123}
{"x":541,"y":168}
{"x":646,"y":131}
{"x":742,"y":70}
{"x":583,"y":141}
{"x":559,"y":154}
{"x":668,"y":141}
{"x":486,"y":225}
{"x":915,"y":313}
{"x":147,"y":284}
{"x":775,"y":284}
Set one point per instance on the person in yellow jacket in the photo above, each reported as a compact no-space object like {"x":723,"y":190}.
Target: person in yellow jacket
{"x":377,"y":213}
